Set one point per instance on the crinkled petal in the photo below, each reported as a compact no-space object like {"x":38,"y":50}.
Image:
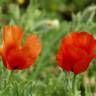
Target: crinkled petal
{"x":11,"y":37}
{"x":20,"y":59}
{"x":82,"y":39}
{"x":68,"y":55}
{"x":26,"y":56}
{"x":61,"y":57}
{"x":82,"y":65}
{"x":76,"y":51}
{"x":5,"y":62}
{"x":32,"y":44}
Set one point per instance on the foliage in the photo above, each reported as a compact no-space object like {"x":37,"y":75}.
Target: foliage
{"x":45,"y":78}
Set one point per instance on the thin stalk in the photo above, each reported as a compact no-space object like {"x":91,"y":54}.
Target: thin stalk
{"x":10,"y":74}
{"x":74,"y":85}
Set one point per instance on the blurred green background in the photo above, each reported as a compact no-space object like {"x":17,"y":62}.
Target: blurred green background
{"x":50,"y":20}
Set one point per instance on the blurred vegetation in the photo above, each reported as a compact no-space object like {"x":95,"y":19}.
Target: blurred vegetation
{"x":50,"y":20}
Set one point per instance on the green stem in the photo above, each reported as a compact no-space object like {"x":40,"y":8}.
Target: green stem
{"x":10,"y":74}
{"x":74,"y":85}
{"x":68,"y":84}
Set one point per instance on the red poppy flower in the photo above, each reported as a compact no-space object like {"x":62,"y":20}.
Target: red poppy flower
{"x":76,"y":51}
{"x":13,"y":55}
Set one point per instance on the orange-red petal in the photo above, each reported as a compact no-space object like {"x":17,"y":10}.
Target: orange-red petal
{"x":32,"y":44}
{"x":11,"y":37}
{"x":26,"y":56}
{"x":76,"y":51}
{"x":82,"y":39}
{"x":68,"y":55}
{"x":82,"y":65}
